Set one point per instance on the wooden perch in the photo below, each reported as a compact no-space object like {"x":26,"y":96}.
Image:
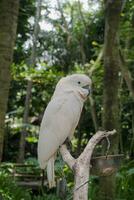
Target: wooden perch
{"x":81,"y":165}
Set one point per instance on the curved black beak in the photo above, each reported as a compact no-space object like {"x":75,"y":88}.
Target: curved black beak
{"x":87,"y":88}
{"x":89,"y":91}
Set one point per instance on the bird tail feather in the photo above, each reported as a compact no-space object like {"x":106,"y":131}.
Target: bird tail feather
{"x":50,"y":172}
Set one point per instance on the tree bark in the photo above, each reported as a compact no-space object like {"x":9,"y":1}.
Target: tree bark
{"x":111,"y":69}
{"x":81,"y":165}
{"x":81,"y":179}
{"x":111,"y":86}
{"x":107,"y":182}
{"x":8,"y":25}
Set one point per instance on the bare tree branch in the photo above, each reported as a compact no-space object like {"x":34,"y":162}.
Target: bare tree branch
{"x":81,"y":14}
{"x":67,"y":157}
{"x":81,"y":165}
{"x":87,"y":153}
{"x":97,"y":61}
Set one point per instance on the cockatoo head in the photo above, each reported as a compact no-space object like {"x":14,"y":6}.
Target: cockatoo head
{"x":78,"y":83}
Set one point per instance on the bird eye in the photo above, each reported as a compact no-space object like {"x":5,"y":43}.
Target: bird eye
{"x":79,"y":82}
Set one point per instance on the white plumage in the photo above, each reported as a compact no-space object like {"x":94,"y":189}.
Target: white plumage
{"x":61,"y":118}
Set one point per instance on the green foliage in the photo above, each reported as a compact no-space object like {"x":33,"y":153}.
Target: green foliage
{"x":46,"y":197}
{"x":93,"y":187}
{"x":24,"y":30}
{"x":125,"y":182}
{"x":71,"y":46}
{"x":10,"y":191}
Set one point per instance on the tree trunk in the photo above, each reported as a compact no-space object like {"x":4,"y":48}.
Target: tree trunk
{"x":111,"y":70}
{"x":111,"y":86}
{"x":107,"y":182}
{"x":21,"y":154}
{"x":81,"y":178}
{"x":8,"y":24}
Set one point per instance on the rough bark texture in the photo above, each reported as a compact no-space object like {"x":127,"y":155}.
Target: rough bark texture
{"x":111,"y":86}
{"x":111,"y":69}
{"x":8,"y":24}
{"x":81,"y":181}
{"x":107,"y":182}
{"x":81,"y":165}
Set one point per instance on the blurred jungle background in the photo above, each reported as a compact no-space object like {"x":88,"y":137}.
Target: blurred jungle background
{"x":42,"y":41}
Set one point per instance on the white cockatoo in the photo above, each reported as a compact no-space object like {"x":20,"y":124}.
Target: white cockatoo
{"x":61,"y":118}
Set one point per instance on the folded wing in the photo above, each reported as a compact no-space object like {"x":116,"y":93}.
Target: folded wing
{"x":60,"y":120}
